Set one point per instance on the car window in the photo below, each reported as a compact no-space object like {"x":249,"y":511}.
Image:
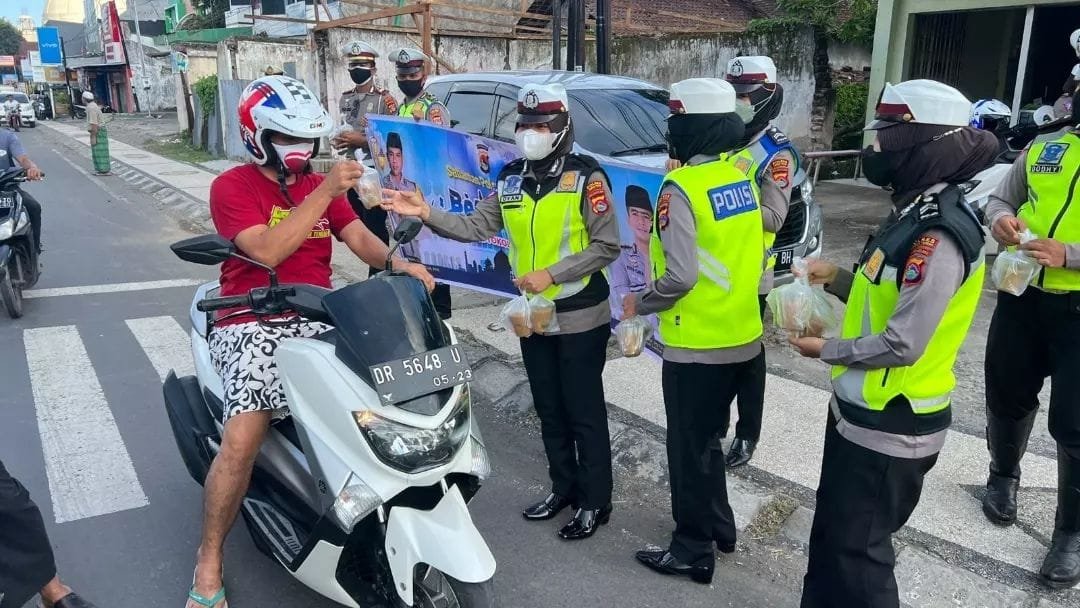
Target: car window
{"x":19,"y":97}
{"x":506,"y":119}
{"x":608,"y":121}
{"x":439,"y":90}
{"x":471,"y":112}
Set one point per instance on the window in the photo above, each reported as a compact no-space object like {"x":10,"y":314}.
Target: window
{"x":506,"y":119}
{"x":610,"y":121}
{"x":471,"y":112}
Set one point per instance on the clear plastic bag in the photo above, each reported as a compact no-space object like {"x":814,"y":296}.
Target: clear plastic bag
{"x":631,"y":334}
{"x":800,"y":308}
{"x":369,"y":188}
{"x":515,"y":317}
{"x":542,"y":317}
{"x":1014,"y":270}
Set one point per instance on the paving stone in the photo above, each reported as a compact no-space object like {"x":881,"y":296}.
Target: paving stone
{"x":928,"y":582}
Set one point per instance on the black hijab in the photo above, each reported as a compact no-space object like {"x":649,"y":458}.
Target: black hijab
{"x":926,"y":155}
{"x":710,"y":134}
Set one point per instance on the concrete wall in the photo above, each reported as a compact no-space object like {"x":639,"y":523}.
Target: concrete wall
{"x":849,"y":56}
{"x":239,"y":59}
{"x":151,"y":69}
{"x":202,"y":61}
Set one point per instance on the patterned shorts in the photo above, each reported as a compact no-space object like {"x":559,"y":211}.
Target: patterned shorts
{"x":243,"y":356}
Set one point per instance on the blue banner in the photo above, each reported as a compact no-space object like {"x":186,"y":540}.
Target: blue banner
{"x":455,"y":171}
{"x":49,"y":45}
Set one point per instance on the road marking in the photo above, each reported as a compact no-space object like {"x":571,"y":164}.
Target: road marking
{"x":90,"y":472}
{"x":92,"y":178}
{"x":165,"y":343}
{"x":110,"y":288}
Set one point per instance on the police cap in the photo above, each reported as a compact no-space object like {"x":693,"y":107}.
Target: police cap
{"x":409,"y":61}
{"x":749,"y":73}
{"x":702,"y":96}
{"x":638,"y":198}
{"x":541,"y":103}
{"x":393,"y":140}
{"x":924,"y":102}
{"x":358,"y":52}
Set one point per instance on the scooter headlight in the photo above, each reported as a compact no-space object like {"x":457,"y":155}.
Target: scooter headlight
{"x":413,"y":450}
{"x":355,"y":502}
{"x":7,"y":228}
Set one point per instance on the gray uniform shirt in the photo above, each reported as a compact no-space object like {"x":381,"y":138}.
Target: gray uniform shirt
{"x":486,"y":221}
{"x":10,"y":150}
{"x":679,"y":241}
{"x":775,"y":199}
{"x":355,"y":106}
{"x":1010,"y":194}
{"x":918,"y":312}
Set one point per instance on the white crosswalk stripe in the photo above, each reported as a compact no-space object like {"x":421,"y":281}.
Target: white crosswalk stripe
{"x":165,"y":343}
{"x":89,"y":470}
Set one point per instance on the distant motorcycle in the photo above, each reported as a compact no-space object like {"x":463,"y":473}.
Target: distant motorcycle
{"x":14,"y":119}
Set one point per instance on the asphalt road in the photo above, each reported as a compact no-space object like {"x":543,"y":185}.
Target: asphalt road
{"x":100,"y":231}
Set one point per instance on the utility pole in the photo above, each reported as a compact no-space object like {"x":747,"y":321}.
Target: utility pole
{"x":142,"y":54}
{"x":67,"y":79}
{"x":603,"y":36}
{"x":556,"y":34}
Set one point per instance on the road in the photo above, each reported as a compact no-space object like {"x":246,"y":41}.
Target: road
{"x":83,"y":427}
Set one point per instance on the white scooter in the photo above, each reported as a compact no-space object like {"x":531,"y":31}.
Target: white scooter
{"x":360,"y":494}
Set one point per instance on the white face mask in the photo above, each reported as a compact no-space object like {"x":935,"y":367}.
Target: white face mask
{"x":534,"y":144}
{"x":745,"y":111}
{"x":295,"y":156}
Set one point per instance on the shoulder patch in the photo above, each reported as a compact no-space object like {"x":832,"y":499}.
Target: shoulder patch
{"x":598,"y":199}
{"x":780,"y":170}
{"x":915,"y":266}
{"x":389,"y":102}
{"x":435,"y":114}
{"x":569,"y":182}
{"x":777,"y":136}
{"x":663,"y":211}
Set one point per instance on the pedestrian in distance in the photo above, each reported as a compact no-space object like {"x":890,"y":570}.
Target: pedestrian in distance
{"x":556,"y":208}
{"x":99,"y":135}
{"x":910,"y":304}
{"x":1035,"y":336}
{"x":707,"y":261}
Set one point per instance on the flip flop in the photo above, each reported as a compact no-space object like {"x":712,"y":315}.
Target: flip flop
{"x":208,"y":602}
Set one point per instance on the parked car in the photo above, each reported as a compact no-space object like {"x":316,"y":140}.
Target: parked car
{"x":614,"y":118}
{"x":26,"y":108}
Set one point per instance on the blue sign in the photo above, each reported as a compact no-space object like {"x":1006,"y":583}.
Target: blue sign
{"x":728,"y":201}
{"x":49,"y":45}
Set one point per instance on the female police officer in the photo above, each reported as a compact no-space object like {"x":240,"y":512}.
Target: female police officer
{"x":910,"y":305}
{"x":556,"y":208}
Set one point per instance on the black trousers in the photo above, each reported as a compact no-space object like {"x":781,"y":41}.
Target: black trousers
{"x":566,"y":377}
{"x":26,"y":557}
{"x":375,"y":220}
{"x":862,"y":499}
{"x":697,"y":400}
{"x":33,"y":209}
{"x":751,"y":397}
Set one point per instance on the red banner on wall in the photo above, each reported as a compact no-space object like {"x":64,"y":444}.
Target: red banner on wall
{"x":112,"y":36}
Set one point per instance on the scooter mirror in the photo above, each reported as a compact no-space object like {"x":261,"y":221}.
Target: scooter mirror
{"x":407,"y":230}
{"x":210,"y":250}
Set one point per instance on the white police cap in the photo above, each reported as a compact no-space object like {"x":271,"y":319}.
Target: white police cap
{"x":358,"y":50}
{"x":922,"y":102}
{"x":702,"y":96}
{"x":541,"y":103}
{"x":750,"y":72}
{"x":409,"y":60}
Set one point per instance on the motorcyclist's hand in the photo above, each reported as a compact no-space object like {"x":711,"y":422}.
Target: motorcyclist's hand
{"x":341,"y":177}
{"x":418,"y":271}
{"x":408,"y":204}
{"x":1007,"y":230}
{"x":818,"y":271}
{"x":535,"y":281}
{"x":33,"y":173}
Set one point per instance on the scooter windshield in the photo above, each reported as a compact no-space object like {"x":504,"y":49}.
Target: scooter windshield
{"x":384,"y":318}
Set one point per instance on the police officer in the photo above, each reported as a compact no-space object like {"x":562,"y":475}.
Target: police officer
{"x":1037,"y":335}
{"x":766,"y":155}
{"x":355,"y":104}
{"x":412,"y":72}
{"x":630,"y":273}
{"x":556,"y":209}
{"x":707,"y":262}
{"x":910,"y":304}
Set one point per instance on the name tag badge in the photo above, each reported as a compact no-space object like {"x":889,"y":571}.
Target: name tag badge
{"x":1045,"y":169}
{"x":731,"y":200}
{"x":872,"y":269}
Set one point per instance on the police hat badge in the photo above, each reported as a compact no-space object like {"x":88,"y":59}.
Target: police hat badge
{"x":403,"y":56}
{"x":736,"y":69}
{"x":531,"y":101}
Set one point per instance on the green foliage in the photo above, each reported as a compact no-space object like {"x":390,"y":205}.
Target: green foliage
{"x":10,"y":38}
{"x":209,"y":14}
{"x":825,"y":15}
{"x":206,"y":89}
{"x":851,"y":101}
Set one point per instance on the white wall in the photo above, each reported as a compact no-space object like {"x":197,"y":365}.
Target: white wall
{"x":848,"y":56}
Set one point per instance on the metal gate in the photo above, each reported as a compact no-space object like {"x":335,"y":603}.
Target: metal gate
{"x":937,"y":47}
{"x":229,"y":92}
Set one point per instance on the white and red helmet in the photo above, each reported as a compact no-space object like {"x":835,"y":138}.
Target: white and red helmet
{"x":921,"y":102}
{"x":1074,"y":41}
{"x":283,"y":105}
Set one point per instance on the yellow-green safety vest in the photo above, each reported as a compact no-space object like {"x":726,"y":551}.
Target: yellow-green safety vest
{"x":722,"y":309}
{"x":1052,"y":210}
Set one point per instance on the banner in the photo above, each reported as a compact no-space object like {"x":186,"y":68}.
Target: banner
{"x":7,"y":61}
{"x":112,"y":36}
{"x":455,"y":171}
{"x":49,"y":45}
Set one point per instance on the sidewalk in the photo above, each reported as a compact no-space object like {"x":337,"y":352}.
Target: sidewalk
{"x":949,"y":555}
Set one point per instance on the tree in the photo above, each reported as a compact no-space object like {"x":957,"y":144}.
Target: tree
{"x":11,"y":40}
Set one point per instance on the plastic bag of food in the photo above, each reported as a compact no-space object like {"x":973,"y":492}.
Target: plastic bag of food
{"x":369,"y":188}
{"x":631,"y":334}
{"x":1014,"y":269}
{"x":542,"y":317}
{"x":801,"y":309}
{"x":515,"y":317}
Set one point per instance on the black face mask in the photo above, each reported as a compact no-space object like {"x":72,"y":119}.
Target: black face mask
{"x":411,"y":88}
{"x":879,"y":167}
{"x":360,"y":75}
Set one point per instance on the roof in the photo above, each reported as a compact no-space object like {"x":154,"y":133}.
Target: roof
{"x":630,"y":17}
{"x":573,"y":81}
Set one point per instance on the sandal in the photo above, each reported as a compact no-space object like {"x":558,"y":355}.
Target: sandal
{"x":209,"y":602}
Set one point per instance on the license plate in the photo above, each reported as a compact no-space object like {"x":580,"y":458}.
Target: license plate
{"x":7,"y":200}
{"x":783,"y":260}
{"x":421,"y":374}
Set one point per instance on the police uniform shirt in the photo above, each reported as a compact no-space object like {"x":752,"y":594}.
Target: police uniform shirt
{"x":678,"y":235}
{"x":1010,"y":194}
{"x":355,"y":106}
{"x":486,"y":221}
{"x":633,"y":270}
{"x":401,"y":184}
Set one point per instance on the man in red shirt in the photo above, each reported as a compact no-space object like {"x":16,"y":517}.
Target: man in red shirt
{"x":278,"y":213}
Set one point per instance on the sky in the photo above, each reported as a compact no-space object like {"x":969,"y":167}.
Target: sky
{"x":11,"y":9}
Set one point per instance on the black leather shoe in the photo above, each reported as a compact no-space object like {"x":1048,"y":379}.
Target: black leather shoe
{"x":584,"y":523}
{"x":999,"y":504}
{"x":666,"y":563}
{"x":547,"y":508}
{"x":1061,"y":568}
{"x":742,"y":450}
{"x":724,"y":547}
{"x":72,"y":600}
